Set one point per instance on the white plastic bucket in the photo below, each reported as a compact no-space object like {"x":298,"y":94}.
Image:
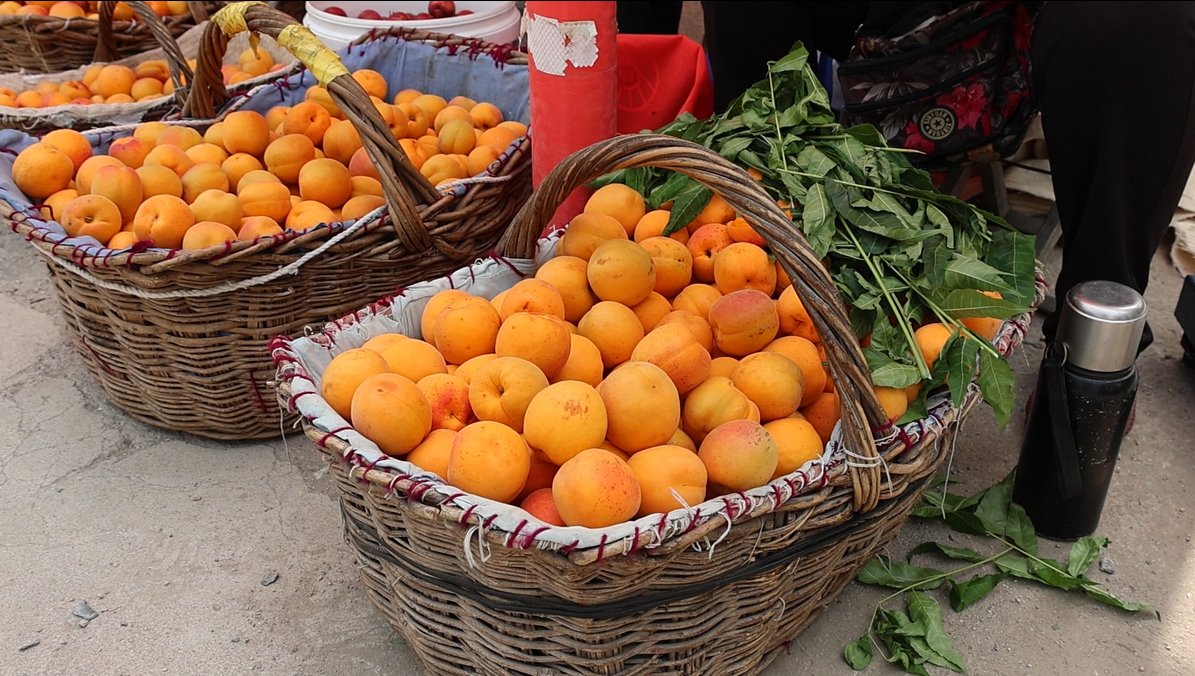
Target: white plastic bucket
{"x":496,"y":22}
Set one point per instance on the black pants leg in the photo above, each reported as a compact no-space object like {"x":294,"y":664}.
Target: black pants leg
{"x":742,"y":37}
{"x":1117,"y":87}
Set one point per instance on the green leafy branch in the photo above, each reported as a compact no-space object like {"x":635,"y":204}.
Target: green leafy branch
{"x":919,"y":637}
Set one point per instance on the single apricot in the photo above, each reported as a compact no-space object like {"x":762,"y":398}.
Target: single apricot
{"x":326,"y":181}
{"x":705,"y":243}
{"x":130,"y":150}
{"x":741,"y":231}
{"x":620,"y":202}
{"x":739,"y":455}
{"x":538,"y":338}
{"x":391,"y":411}
{"x":673,"y":263}
{"x":564,"y":419}
{"x":893,"y":400}
{"x":466,"y":328}
{"x":651,"y":310}
{"x":744,"y":266}
{"x":670,"y":477}
{"x":584,"y":362}
{"x":931,"y":338}
{"x":122,"y":185}
{"x":360,"y":206}
{"x":596,"y":489}
{"x":431,"y":455}
{"x":207,"y":152}
{"x":218,"y":206}
{"x":614,"y":329}
{"x":255,"y":176}
{"x":245,"y":131}
{"x":413,"y":359}
{"x":773,"y":382}
{"x":170,"y":156}
{"x":180,"y":137}
{"x":501,"y":389}
{"x":264,"y":198}
{"x":715,"y":211}
{"x":201,"y":178}
{"x":74,"y":145}
{"x":804,"y":354}
{"x":743,"y":322}
{"x":52,"y":205}
{"x":42,"y":170}
{"x":163,"y":220}
{"x":92,"y":216}
{"x":533,"y":295}
{"x":823,"y":414}
{"x":723,"y":366}
{"x":466,"y":370}
{"x":205,"y":234}
{"x":797,"y":442}
{"x":712,"y":403}
{"x":621,"y":271}
{"x":345,"y":373}
{"x":448,"y":397}
{"x":697,"y":299}
{"x":309,"y":119}
{"x":586,"y":232}
{"x":255,"y":227}
{"x":159,"y":180}
{"x":541,"y":505}
{"x":642,"y":406}
{"x":568,"y":276}
{"x":654,"y":223}
{"x":673,"y":348}
{"x":794,"y":319}
{"x":431,"y":311}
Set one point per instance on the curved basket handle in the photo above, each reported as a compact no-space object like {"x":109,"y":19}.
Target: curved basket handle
{"x":861,"y":410}
{"x":402,"y":183}
{"x":106,"y":49}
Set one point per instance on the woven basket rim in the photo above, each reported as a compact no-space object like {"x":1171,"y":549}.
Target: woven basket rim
{"x":510,"y":526}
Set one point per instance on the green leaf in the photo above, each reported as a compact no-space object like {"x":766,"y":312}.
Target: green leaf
{"x":675,"y":184}
{"x":686,"y":205}
{"x":858,"y":653}
{"x":1102,"y":595}
{"x":971,"y":303}
{"x":927,"y":654}
{"x":900,"y":654}
{"x":636,"y":179}
{"x":993,"y":507}
{"x":924,"y":609}
{"x":817,"y":220}
{"x":795,"y":60}
{"x":813,"y":161}
{"x":1057,"y":578}
{"x":612,"y":177}
{"x":1020,"y":529}
{"x":886,"y":372}
{"x":1084,"y":553}
{"x":956,"y":553}
{"x":961,"y":361}
{"x":996,"y":383}
{"x":1013,"y":253}
{"x":883,"y":572}
{"x":965,"y":522}
{"x":934,"y":256}
{"x":1016,"y":565}
{"x":963,"y":594}
{"x":968,"y":273}
{"x":731,"y":149}
{"x":868,"y":134}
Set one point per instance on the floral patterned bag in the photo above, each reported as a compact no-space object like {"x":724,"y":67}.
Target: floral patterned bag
{"x":955,"y":87}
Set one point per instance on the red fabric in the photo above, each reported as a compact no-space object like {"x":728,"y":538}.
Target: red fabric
{"x":660,"y":77}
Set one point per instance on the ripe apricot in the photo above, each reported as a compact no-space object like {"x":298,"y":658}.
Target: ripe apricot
{"x":931,"y":338}
{"x":642,"y":406}
{"x":391,"y":411}
{"x":614,"y":329}
{"x":705,"y":243}
{"x":823,"y":414}
{"x":541,"y":505}
{"x":654,"y":223}
{"x":741,"y":231}
{"x":245,"y":131}
{"x":286,"y":156}
{"x":651,"y":310}
{"x":344,"y":375}
{"x":712,"y":403}
{"x":130,"y":150}
{"x":254,"y":227}
{"x":620,"y":202}
{"x":502,"y":388}
{"x":596,"y":489}
{"x":673,"y":263}
{"x":113,"y":79}
{"x":218,"y":206}
{"x":466,"y":328}
{"x":743,"y":322}
{"x":532,"y":295}
{"x":92,"y":216}
{"x":739,"y":455}
{"x":621,"y":271}
{"x":207,"y":152}
{"x":723,"y":366}
{"x":159,"y":180}
{"x":744,"y":266}
{"x":794,"y":319}
{"x":201,"y":178}
{"x":564,"y":419}
{"x":584,"y":362}
{"x":673,"y":348}
{"x":586,"y":232}
{"x":485,"y":115}
{"x":986,"y":327}
{"x":666,"y":472}
{"x":431,"y":455}
{"x":772,"y":381}
{"x":568,"y":276}
{"x":497,"y":139}
{"x":360,"y":206}
{"x":179,"y":136}
{"x":797,"y":442}
{"x":53,"y":204}
{"x":206,"y":234}
{"x":170,"y":156}
{"x":805,"y":355}
{"x":265,"y":198}
{"x":466,"y":370}
{"x":73,"y":144}
{"x":309,"y":119}
{"x":163,"y":220}
{"x":42,"y":170}
{"x":432,"y":310}
{"x":538,"y":338}
{"x":715,"y":211}
{"x":414,"y":359}
{"x":448,"y":397}
{"x":893,"y":400}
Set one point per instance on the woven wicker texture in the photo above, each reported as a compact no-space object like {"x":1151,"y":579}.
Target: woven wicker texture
{"x":475,"y":599}
{"x":40,"y":121}
{"x":44,"y":44}
{"x":178,"y":339}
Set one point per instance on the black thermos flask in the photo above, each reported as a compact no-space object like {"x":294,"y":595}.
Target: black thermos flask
{"x":1085,"y":391}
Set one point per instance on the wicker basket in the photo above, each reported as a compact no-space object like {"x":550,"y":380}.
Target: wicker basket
{"x":175,"y":51}
{"x":477,"y":587}
{"x":178,"y":339}
{"x":46,"y":44}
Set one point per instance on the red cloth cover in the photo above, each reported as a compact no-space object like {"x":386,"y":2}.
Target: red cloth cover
{"x":660,"y":77}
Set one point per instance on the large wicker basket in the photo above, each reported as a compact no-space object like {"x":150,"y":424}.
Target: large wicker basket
{"x":178,"y":339}
{"x":477,"y":587}
{"x":46,"y":44}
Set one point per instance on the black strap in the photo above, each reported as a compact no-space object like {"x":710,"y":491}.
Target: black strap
{"x":1070,"y":482}
{"x":364,"y":537}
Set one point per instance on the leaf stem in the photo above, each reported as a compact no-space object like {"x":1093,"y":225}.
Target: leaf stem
{"x":901,"y":320}
{"x":945,"y":318}
{"x":776,"y":118}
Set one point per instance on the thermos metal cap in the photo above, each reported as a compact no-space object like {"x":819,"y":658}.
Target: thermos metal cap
{"x":1101,"y":326}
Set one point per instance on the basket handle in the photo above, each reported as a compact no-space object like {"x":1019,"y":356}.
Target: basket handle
{"x":402,"y":183}
{"x":861,"y":410}
{"x":106,"y":49}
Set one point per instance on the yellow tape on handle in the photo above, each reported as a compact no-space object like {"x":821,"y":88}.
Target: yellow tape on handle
{"x":323,"y":63}
{"x":231,"y":20}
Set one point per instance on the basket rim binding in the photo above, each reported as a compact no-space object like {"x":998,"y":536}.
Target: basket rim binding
{"x":80,"y":257}
{"x":510,"y":526}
